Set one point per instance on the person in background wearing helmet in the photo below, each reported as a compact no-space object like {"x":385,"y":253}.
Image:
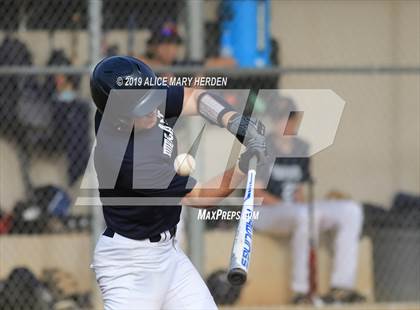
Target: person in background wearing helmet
{"x":137,"y":261}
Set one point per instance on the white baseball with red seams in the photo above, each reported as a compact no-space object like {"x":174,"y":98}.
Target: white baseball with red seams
{"x":184,"y":164}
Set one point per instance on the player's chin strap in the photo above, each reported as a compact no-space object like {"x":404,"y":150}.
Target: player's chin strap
{"x":213,"y":108}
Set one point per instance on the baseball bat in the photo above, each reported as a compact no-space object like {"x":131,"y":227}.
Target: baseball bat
{"x":242,"y":244}
{"x":313,"y":285}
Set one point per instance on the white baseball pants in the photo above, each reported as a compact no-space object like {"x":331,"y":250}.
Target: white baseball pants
{"x":138,"y":275}
{"x":343,"y":216}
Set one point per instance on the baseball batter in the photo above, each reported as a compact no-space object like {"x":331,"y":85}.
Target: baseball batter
{"x":137,"y":261}
{"x":285,"y":210}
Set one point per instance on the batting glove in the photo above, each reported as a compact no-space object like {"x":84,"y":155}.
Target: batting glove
{"x":245,"y":128}
{"x":256,"y":147}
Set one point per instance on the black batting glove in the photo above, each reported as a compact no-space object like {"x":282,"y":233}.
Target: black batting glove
{"x":245,"y":128}
{"x":256,"y":147}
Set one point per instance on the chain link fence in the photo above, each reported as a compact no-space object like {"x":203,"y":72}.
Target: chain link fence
{"x":46,"y":136}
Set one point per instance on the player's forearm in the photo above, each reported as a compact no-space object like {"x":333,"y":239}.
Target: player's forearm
{"x":216,"y":110}
{"x":213,"y":191}
{"x":190,"y":107}
{"x":226,"y":118}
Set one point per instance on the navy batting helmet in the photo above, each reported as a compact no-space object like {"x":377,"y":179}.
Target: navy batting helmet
{"x":114,"y":72}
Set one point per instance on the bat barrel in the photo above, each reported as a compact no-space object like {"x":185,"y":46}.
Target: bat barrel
{"x":241,"y":250}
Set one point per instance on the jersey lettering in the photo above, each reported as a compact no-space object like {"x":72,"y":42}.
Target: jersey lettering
{"x":168,"y":135}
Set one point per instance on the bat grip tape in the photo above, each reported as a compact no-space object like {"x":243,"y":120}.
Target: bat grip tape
{"x":253,"y":163}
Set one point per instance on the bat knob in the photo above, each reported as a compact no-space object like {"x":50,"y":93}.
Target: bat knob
{"x":237,"y":276}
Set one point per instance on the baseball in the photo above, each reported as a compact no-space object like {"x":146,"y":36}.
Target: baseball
{"x":184,"y":164}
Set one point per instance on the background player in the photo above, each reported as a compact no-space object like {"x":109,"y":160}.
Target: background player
{"x":285,"y":210}
{"x":163,"y":47}
{"x":137,"y":262}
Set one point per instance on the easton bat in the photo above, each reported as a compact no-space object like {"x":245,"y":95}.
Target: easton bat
{"x":242,"y":244}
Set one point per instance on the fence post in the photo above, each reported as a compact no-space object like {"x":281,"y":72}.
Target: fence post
{"x":195,"y":228}
{"x":95,"y":37}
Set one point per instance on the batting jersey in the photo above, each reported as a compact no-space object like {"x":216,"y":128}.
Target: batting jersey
{"x":146,"y":171}
{"x":287,"y":172}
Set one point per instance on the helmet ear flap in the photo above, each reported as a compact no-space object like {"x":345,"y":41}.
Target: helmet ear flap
{"x":99,"y":95}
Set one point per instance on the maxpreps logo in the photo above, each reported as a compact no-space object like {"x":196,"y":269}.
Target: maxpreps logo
{"x":322,"y":110}
{"x":168,"y":135}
